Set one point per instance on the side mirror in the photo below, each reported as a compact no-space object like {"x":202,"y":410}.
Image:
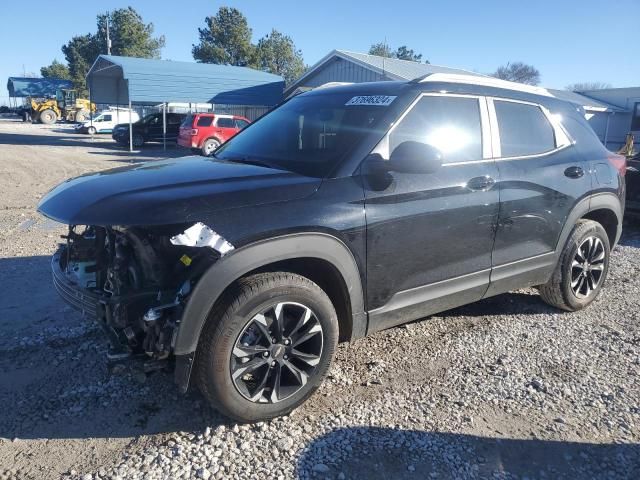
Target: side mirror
{"x":415,"y":157}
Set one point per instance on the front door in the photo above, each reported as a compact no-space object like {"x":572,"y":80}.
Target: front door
{"x":430,"y":236}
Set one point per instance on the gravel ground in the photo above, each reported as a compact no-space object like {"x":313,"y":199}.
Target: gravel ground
{"x":504,"y":388}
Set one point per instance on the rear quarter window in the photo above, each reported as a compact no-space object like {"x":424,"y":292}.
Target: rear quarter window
{"x":524,"y":129}
{"x":205,"y":121}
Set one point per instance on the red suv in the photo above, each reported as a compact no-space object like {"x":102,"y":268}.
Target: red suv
{"x":207,"y":131}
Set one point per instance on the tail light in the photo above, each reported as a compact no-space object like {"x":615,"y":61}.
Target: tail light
{"x":194,"y":131}
{"x":619,"y":162}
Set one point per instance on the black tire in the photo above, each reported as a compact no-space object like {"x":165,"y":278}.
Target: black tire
{"x":209,"y":146}
{"x":48,"y":117}
{"x":230,"y":319}
{"x":558,"y":291}
{"x":91,"y":130}
{"x":137,"y":140}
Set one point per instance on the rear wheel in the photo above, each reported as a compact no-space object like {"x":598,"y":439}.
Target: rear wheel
{"x":48,"y":117}
{"x":267,"y":346}
{"x":581,"y":270}
{"x":209,"y":146}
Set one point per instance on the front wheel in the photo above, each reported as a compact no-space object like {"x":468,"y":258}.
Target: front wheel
{"x":581,"y":270}
{"x":267,"y":346}
{"x":91,"y":130}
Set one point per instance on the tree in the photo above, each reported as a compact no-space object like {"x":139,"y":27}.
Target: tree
{"x":404,"y":53}
{"x":226,"y":39}
{"x":518,"y":72}
{"x":381,"y":50}
{"x":56,"y":70}
{"x":276,"y":53}
{"x":584,"y":86}
{"x":130,"y":36}
{"x":80,"y":53}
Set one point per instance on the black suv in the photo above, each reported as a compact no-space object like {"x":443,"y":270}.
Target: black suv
{"x":149,"y":129}
{"x":345,"y":211}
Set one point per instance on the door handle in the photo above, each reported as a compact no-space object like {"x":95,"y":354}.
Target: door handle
{"x":574,"y":172}
{"x":480,"y":183}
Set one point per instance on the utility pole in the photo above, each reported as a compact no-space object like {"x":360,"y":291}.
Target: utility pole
{"x":108,"y":38}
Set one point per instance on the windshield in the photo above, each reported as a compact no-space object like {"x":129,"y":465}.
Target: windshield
{"x":309,"y":135}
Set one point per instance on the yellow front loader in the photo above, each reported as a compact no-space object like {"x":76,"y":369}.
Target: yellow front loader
{"x":66,"y":106}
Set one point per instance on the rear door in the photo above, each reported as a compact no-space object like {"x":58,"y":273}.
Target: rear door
{"x":225,"y":128}
{"x":542,"y":176}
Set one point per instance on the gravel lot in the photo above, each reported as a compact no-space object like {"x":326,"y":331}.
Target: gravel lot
{"x":505,"y":388}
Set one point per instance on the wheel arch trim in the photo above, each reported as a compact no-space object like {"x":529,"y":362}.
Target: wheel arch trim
{"x":259,"y":254}
{"x":599,"y":201}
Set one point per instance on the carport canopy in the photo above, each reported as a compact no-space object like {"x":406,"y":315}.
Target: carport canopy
{"x":36,"y":87}
{"x":140,"y":81}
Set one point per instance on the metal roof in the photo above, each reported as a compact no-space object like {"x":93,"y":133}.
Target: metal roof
{"x":35,"y":87}
{"x":116,"y":80}
{"x":392,"y":68}
{"x":584,"y":101}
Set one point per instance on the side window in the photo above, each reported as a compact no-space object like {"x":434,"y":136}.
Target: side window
{"x":524,"y":129}
{"x":205,"y":121}
{"x":225,"y":122}
{"x":450,"y":124}
{"x":173,"y":120}
{"x":106,"y":118}
{"x":241,"y":123}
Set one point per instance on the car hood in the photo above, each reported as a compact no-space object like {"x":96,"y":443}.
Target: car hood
{"x":169,"y":192}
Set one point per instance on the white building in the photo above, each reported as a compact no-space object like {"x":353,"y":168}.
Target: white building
{"x":611,"y":112}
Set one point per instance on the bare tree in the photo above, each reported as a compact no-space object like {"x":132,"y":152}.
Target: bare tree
{"x":518,"y":72}
{"x":584,"y":86}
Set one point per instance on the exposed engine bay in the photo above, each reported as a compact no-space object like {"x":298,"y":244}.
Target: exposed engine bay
{"x":134,"y":281}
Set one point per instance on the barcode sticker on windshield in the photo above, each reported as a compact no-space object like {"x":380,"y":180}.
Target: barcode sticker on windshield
{"x":379,"y":100}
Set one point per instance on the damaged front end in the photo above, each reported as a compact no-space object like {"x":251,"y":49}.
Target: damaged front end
{"x":134,"y":282}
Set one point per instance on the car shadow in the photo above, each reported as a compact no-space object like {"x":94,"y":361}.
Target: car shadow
{"x":377,"y":453}
{"x":105,"y":144}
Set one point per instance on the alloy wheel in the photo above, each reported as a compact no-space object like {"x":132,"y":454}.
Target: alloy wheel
{"x":276,"y":353}
{"x":210,"y":147}
{"x":588,"y":266}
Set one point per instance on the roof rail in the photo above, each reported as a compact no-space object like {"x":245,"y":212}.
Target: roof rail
{"x":332,"y":84}
{"x":484,"y":81}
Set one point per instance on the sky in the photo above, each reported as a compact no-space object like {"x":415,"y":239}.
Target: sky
{"x":568,"y":41}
